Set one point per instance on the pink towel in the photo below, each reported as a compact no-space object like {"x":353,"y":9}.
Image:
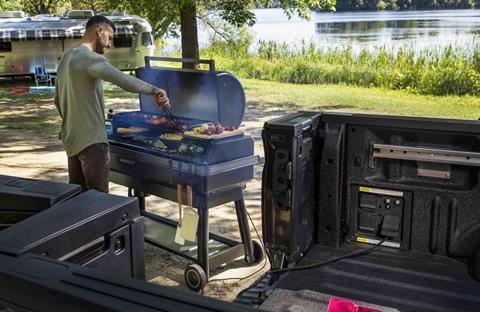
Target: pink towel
{"x":342,"y":305}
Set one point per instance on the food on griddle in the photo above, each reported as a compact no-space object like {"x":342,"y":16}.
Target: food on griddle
{"x":156,"y":121}
{"x":143,"y":139}
{"x":190,"y":149}
{"x":130,"y":130}
{"x":212,"y":129}
{"x":176,"y":125}
{"x":172,"y":136}
{"x":172,"y":124}
{"x":158,"y":144}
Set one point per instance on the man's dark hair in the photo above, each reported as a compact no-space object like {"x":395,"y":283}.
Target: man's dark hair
{"x":98,"y":19}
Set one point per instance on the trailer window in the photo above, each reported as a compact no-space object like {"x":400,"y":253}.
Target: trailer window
{"x":122,"y":41}
{"x":147,"y":39}
{"x":5,"y":47}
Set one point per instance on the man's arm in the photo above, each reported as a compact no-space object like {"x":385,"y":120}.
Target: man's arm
{"x":101,"y":68}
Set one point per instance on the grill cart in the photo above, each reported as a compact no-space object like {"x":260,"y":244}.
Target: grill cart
{"x":153,"y":153}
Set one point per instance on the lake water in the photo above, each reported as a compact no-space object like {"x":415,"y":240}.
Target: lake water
{"x":417,"y":29}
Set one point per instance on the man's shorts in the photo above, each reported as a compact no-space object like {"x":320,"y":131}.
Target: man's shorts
{"x":90,"y":168}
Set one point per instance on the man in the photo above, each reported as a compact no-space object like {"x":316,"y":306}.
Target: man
{"x":80,"y":103}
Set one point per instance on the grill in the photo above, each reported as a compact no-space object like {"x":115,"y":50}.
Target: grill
{"x":216,"y":167}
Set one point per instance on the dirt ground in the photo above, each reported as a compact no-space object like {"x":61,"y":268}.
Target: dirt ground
{"x":29,"y":148}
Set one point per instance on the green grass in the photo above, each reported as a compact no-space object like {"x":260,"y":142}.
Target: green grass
{"x":44,"y":123}
{"x":292,"y":97}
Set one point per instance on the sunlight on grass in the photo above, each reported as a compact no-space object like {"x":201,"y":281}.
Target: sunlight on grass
{"x":357,"y":99}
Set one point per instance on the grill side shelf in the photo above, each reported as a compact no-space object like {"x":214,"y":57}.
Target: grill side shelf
{"x":184,"y":167}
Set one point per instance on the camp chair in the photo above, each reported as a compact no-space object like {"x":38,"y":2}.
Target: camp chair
{"x":42,"y":76}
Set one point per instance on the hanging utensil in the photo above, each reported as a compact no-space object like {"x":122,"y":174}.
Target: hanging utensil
{"x":178,"y":234}
{"x":190,"y":218}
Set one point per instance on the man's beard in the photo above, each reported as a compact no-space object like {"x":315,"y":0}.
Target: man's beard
{"x":98,"y":46}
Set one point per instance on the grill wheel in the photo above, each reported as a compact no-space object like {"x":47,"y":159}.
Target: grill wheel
{"x":195,"y":277}
{"x":258,"y":252}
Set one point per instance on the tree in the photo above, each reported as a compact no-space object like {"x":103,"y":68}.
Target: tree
{"x":9,"y":5}
{"x":166,"y":15}
{"x":41,"y":6}
{"x":93,"y":5}
{"x":188,"y":26}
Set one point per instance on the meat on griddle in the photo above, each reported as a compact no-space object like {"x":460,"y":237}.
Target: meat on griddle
{"x":175,"y":124}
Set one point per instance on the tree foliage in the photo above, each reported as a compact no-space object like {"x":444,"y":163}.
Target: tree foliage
{"x":93,"y":5}
{"x":164,"y":15}
{"x":10,"y":5}
{"x":41,"y":6}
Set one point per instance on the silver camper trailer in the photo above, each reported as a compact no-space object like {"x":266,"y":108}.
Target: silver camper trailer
{"x":40,"y":41}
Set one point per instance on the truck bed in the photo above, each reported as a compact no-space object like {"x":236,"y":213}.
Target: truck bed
{"x":334,"y":183}
{"x":387,"y":277}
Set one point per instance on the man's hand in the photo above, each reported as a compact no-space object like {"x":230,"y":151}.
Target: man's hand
{"x":161,"y":99}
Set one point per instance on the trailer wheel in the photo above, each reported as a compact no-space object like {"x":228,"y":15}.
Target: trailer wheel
{"x":258,"y":252}
{"x":195,"y":277}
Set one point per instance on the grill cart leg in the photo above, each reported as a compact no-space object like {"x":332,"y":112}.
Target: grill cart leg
{"x":244,"y":229}
{"x":139,"y":195}
{"x":203,"y":237}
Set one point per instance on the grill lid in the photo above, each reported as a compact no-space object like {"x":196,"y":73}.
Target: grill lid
{"x":195,"y":94}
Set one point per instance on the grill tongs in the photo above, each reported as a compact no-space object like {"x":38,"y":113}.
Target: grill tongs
{"x":168,"y":114}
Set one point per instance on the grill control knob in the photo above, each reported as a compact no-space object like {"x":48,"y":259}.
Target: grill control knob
{"x":388,"y":201}
{"x":397,"y":202}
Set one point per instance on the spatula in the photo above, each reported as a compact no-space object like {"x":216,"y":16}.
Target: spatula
{"x":178,"y":234}
{"x":190,"y":219}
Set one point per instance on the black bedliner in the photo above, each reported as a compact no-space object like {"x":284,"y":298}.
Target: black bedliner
{"x":394,"y":278}
{"x":412,"y":183}
{"x":35,"y":283}
{"x":21,"y":198}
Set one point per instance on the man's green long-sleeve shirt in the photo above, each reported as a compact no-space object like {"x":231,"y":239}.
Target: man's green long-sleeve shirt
{"x":79,"y":96}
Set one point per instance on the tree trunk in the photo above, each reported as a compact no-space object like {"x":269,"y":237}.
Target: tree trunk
{"x":188,"y":20}
{"x":93,"y":6}
{"x":43,"y":8}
